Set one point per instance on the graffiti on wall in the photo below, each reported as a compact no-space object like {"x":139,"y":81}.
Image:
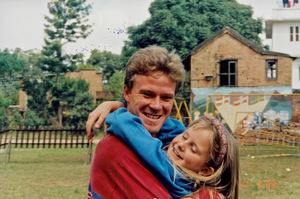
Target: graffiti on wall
{"x":241,"y":108}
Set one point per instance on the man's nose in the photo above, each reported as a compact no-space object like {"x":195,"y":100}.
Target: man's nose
{"x":156,"y":103}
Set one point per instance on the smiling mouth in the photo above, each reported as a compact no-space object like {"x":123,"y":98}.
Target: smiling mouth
{"x":152,"y":116}
{"x":176,"y":153}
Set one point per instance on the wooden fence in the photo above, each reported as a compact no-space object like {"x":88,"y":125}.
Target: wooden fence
{"x":43,"y":138}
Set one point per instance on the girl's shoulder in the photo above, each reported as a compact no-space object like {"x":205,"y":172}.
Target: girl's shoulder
{"x":205,"y":193}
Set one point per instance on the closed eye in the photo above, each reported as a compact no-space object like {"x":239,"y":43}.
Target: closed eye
{"x":194,"y":149}
{"x":168,"y":98}
{"x":185,"y":136}
{"x":147,"y":94}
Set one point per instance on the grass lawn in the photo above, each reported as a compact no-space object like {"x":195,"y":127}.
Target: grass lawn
{"x":45,"y":173}
{"x":63,"y":174}
{"x":269,"y":172}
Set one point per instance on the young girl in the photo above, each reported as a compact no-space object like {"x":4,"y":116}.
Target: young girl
{"x":202,"y":162}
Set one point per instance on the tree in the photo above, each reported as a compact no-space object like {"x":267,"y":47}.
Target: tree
{"x":106,"y":62}
{"x":115,"y":84}
{"x":4,"y":103}
{"x":12,"y":63}
{"x":38,"y":101}
{"x":85,"y":66}
{"x":80,"y":102}
{"x":72,"y":100}
{"x":67,"y":23}
{"x":182,"y":24}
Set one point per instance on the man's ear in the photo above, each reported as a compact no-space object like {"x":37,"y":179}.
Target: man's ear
{"x":125,"y":93}
{"x":206,"y":171}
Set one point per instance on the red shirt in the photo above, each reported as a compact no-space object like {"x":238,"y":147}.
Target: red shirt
{"x":116,"y":172}
{"x":206,"y":193}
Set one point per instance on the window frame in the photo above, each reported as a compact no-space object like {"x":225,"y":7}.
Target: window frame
{"x":228,"y":73}
{"x":297,"y":33}
{"x":291,"y":33}
{"x":267,"y":69}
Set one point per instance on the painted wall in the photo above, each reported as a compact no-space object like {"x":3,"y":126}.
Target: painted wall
{"x":235,"y":109}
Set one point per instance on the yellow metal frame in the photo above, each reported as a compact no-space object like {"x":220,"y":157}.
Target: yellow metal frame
{"x":178,"y":110}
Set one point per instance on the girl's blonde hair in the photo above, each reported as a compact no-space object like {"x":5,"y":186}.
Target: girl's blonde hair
{"x":225,"y":179}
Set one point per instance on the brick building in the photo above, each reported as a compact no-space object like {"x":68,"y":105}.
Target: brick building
{"x":229,"y":60}
{"x":229,"y":64}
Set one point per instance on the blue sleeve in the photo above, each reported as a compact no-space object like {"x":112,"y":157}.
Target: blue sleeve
{"x":124,"y":102}
{"x":170,"y":130}
{"x":129,"y":129}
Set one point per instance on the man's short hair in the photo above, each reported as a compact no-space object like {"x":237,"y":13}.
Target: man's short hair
{"x":154,"y":59}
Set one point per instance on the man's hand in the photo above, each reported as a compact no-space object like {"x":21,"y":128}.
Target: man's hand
{"x":98,"y":115}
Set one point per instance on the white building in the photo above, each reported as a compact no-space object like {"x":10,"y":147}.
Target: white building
{"x":284,"y":30}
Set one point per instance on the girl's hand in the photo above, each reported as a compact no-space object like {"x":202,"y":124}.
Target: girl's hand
{"x":99,"y":114}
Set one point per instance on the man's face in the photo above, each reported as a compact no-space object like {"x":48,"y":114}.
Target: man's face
{"x":151,"y":99}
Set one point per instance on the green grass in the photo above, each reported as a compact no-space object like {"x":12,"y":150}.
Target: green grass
{"x":269,"y":175}
{"x":63,"y":174}
{"x":45,"y":173}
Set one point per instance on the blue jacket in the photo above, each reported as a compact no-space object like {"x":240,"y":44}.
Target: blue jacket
{"x":129,"y":128}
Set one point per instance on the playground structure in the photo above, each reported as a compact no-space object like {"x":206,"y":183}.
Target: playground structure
{"x":182,"y":111}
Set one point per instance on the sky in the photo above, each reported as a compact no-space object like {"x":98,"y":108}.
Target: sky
{"x":22,"y":22}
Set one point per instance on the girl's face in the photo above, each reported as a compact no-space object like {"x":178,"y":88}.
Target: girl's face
{"x":191,"y":149}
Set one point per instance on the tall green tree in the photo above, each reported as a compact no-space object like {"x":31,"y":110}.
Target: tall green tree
{"x":67,"y":22}
{"x":106,"y":62}
{"x":182,"y":24}
{"x":4,"y":120}
{"x":115,"y":85}
{"x":77,"y":101}
{"x":12,"y":63}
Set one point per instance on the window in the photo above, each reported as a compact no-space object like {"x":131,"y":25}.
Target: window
{"x":291,"y":33}
{"x":294,"y":36}
{"x":271,"y":69}
{"x":228,"y":73}
{"x":297,"y":33}
{"x":299,"y":72}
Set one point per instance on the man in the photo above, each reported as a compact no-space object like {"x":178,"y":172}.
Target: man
{"x":153,"y":75}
